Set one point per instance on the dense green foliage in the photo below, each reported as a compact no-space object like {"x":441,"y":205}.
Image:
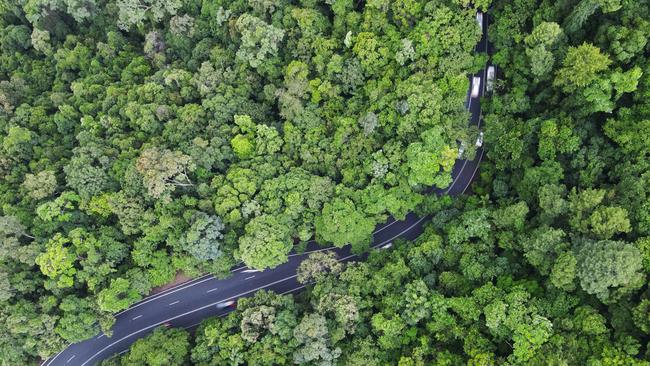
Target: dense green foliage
{"x":140,"y":138}
{"x":546,"y":264}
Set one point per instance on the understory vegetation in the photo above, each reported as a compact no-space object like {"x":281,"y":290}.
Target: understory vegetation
{"x":139,"y":138}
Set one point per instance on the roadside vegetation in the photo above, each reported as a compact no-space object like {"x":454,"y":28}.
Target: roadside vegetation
{"x":545,"y":264}
{"x":140,"y":138}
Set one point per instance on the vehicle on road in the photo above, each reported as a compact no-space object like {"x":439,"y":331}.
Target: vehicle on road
{"x":461,"y":150}
{"x":476,"y":86}
{"x":227,"y":304}
{"x":479,"y":19}
{"x":386,"y":246}
{"x":489,"y":82}
{"x":479,"y":140}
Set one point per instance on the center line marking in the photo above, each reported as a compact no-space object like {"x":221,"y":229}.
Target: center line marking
{"x":70,"y":359}
{"x":248,"y":278}
{"x":134,"y":318}
{"x":212,"y":289}
{"x":174,"y":303}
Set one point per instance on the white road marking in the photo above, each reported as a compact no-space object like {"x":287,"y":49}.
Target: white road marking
{"x":238,"y":268}
{"x":212,"y":289}
{"x":174,"y":303}
{"x":49,"y":361}
{"x":137,"y":317}
{"x":251,"y":271}
{"x":195,"y":324}
{"x":249,"y":277}
{"x":469,"y":104}
{"x":475,"y":170}
{"x":70,"y":359}
{"x":398,"y":235}
{"x":385,"y":227}
{"x":294,"y":289}
{"x":312,"y":251}
{"x":101,"y":335}
{"x":456,"y":179}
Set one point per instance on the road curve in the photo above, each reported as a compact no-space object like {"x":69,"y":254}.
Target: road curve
{"x":186,"y":305}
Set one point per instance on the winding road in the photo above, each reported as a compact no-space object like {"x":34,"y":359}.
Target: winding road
{"x":186,"y":305}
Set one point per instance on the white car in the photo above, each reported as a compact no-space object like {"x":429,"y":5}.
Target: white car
{"x":461,"y":150}
{"x":479,"y":140}
{"x":479,"y":19}
{"x":489,"y":82}
{"x":476,"y":86}
{"x":225,"y":304}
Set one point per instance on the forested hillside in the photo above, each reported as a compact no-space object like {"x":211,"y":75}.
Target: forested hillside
{"x":546,"y":264}
{"x":140,"y":138}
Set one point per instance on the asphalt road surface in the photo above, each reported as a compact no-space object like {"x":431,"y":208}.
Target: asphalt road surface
{"x":187,"y":304}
